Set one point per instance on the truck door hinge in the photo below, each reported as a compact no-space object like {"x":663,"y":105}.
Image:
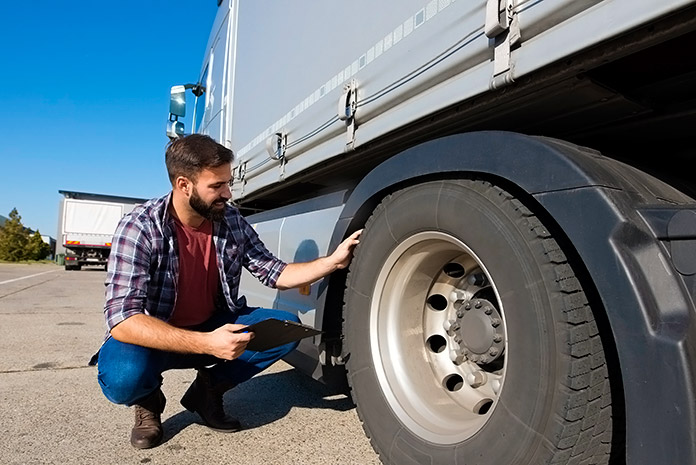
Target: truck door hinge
{"x":502,"y":27}
{"x":347,"y":105}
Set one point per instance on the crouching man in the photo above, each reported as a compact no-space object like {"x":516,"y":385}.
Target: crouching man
{"x":172,"y":293}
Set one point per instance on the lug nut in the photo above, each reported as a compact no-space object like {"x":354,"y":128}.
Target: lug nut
{"x":477,"y":304}
{"x":457,"y":357}
{"x":495,"y":322}
{"x":478,"y":279}
{"x":476,"y":379}
{"x":487,"y":310}
{"x":493,"y":352}
{"x":497,"y":337}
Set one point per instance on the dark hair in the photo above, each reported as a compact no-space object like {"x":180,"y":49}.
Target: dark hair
{"x":188,"y":156}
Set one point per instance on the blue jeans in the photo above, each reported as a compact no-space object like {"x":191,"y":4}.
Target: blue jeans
{"x":129,"y":373}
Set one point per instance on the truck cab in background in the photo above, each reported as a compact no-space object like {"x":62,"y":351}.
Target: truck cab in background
{"x":524,"y":288}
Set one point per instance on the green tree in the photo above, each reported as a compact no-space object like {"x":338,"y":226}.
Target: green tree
{"x":13,"y":238}
{"x":36,"y":248}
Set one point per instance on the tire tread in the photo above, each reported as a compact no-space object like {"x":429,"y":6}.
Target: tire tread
{"x":582,"y":428}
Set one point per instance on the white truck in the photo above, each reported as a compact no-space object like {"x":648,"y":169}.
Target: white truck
{"x":87,"y":224}
{"x":524,"y":288}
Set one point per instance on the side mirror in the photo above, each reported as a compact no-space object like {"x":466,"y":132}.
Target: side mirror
{"x":177,"y":108}
{"x":177,"y":101}
{"x":175,"y":129}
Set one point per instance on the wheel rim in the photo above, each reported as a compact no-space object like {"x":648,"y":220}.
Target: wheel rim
{"x":438,"y":338}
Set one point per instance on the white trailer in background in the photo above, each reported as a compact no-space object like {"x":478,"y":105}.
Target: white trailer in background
{"x":524,"y":288}
{"x":86,"y":226}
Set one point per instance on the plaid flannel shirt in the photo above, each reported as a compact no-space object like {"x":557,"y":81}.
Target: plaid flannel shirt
{"x":144,"y":262}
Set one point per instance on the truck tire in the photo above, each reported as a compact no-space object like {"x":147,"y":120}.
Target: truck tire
{"x":469,"y":338}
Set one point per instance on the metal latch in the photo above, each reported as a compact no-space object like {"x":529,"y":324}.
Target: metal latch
{"x":276,"y":146}
{"x":241,"y":171}
{"x":239,"y":178}
{"x":497,"y":20}
{"x":503,"y":27}
{"x":347,"y":104}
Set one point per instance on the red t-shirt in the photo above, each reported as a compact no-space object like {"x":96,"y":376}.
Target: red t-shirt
{"x":198,"y":275}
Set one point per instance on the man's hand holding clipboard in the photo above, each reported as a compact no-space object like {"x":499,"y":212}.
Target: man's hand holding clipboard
{"x":272,"y":333}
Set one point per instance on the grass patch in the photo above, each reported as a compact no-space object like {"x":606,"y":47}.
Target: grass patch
{"x":31,"y":262}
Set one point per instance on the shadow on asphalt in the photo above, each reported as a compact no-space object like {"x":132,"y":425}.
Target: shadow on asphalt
{"x":265,"y":399}
{"x":90,"y":269}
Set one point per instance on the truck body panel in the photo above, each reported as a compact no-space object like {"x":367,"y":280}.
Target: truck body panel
{"x":293,"y":242}
{"x":88,"y":223}
{"x":409,"y":61}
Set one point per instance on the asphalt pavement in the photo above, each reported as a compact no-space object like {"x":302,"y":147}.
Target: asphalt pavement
{"x":53,"y":412}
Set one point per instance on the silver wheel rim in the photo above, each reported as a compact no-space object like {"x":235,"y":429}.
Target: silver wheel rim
{"x":438,"y":337}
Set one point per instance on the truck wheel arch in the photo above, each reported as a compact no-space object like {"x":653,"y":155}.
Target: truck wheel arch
{"x":596,"y":202}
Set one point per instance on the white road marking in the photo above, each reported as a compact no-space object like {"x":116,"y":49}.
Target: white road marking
{"x":26,"y":277}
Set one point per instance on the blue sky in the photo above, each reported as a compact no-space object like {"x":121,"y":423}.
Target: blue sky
{"x":84,"y":87}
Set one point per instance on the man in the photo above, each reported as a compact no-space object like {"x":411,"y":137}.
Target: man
{"x":172,"y":293}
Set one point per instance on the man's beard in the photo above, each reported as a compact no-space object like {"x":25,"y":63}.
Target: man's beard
{"x":215,"y":211}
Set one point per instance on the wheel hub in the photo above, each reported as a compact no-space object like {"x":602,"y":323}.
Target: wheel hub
{"x":477,"y":331}
{"x":436,"y":326}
